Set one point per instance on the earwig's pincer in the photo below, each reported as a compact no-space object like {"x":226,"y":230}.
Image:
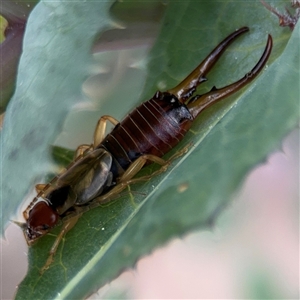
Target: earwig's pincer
{"x":100,"y":171}
{"x":188,"y":86}
{"x":198,"y":103}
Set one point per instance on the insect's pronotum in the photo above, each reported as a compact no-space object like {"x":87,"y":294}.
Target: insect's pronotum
{"x":102,"y":170}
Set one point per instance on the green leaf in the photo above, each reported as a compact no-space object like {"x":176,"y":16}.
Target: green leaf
{"x":62,"y":156}
{"x":228,"y":139}
{"x":15,"y":13}
{"x":55,"y":62}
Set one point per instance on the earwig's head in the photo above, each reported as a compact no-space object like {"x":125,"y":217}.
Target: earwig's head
{"x":41,"y":219}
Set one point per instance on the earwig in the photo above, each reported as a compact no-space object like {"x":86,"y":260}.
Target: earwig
{"x":102,"y":170}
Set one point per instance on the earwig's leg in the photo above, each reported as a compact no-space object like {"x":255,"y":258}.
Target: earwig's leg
{"x":200,"y":102}
{"x":39,"y":187}
{"x":134,"y":168}
{"x":138,"y":164}
{"x":99,"y":135}
{"x":100,"y":128}
{"x":187,"y":87}
{"x":81,"y":149}
{"x":67,"y":226}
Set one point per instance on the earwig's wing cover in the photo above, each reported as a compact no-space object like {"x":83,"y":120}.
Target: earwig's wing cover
{"x":80,"y":167}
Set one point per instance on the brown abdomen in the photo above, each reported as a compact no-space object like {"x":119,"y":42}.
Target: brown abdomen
{"x":154,"y":127}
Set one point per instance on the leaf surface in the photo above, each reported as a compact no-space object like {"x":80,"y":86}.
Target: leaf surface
{"x":228,"y":140}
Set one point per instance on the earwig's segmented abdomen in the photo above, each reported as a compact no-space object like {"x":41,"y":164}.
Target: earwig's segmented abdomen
{"x":154,"y":127}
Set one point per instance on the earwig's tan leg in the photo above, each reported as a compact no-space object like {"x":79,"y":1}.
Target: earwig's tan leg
{"x":134,"y":168}
{"x":81,"y":149}
{"x":138,"y":164}
{"x":99,"y":135}
{"x":101,"y":127}
{"x":67,"y":226}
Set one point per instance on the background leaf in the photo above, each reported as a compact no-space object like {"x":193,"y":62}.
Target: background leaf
{"x":53,"y":66}
{"x":15,"y":13}
{"x":229,"y":139}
